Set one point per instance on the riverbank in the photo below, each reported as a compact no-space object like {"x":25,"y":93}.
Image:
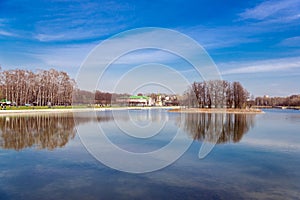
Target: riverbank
{"x":73,"y":110}
{"x":169,"y":108}
{"x":217,"y":110}
{"x":278,"y":107}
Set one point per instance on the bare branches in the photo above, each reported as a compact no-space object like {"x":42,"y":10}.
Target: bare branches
{"x":216,"y":94}
{"x":42,"y":88}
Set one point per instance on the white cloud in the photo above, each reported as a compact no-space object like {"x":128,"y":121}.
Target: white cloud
{"x":6,"y":33}
{"x":45,"y":37}
{"x":271,"y":65}
{"x":47,"y":34}
{"x":270,"y":16}
{"x":281,"y":10}
{"x":81,"y":21}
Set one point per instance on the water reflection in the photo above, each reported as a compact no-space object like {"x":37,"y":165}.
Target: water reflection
{"x":40,"y":131}
{"x":140,"y":115}
{"x":53,"y":131}
{"x":216,"y":127}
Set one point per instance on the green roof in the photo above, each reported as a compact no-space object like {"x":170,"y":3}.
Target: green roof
{"x":138,"y":97}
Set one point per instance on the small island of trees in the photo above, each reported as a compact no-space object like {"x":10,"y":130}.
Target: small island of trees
{"x":216,"y":94}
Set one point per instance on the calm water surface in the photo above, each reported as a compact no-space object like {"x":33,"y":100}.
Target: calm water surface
{"x":256,"y":157}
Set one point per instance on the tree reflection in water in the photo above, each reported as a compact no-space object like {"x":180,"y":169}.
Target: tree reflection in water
{"x":40,"y":131}
{"x":55,"y":130}
{"x":217,"y":127}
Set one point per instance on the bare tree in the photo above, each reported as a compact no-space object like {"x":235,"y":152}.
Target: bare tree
{"x":218,"y":94}
{"x":23,"y":86}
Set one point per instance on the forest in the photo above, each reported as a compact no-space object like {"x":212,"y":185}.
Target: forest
{"x":41,"y":88}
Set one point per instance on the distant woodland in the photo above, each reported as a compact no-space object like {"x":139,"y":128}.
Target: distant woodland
{"x":96,"y":97}
{"x":293,"y":100}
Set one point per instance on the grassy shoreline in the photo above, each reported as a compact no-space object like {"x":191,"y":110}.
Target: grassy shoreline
{"x":42,"y":107}
{"x":69,"y":109}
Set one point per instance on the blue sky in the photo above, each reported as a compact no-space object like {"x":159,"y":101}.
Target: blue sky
{"x":254,"y":42}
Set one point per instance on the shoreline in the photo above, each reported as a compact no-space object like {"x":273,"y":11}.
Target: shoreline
{"x":75,"y":110}
{"x":217,"y":110}
{"x":175,"y":109}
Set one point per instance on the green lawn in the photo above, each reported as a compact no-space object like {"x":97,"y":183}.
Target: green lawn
{"x":53,"y":107}
{"x":42,"y":107}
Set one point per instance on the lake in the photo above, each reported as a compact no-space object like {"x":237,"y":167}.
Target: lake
{"x":243,"y":156}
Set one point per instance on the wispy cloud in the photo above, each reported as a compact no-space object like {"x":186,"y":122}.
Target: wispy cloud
{"x":70,"y":56}
{"x":3,"y":29}
{"x":65,"y":21}
{"x":146,"y":56}
{"x":222,"y":36}
{"x":45,"y":37}
{"x":273,"y":9}
{"x":271,"y":65}
{"x":46,"y":34}
{"x":81,"y":21}
{"x":250,"y":27}
{"x":291,"y":42}
{"x":6,"y":33}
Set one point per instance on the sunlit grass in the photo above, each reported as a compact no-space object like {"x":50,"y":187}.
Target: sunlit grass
{"x":42,"y":107}
{"x":55,"y":107}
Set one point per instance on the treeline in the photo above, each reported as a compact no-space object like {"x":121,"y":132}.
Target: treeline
{"x":38,"y":88}
{"x":97,"y":97}
{"x":216,"y":94}
{"x":293,"y":100}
